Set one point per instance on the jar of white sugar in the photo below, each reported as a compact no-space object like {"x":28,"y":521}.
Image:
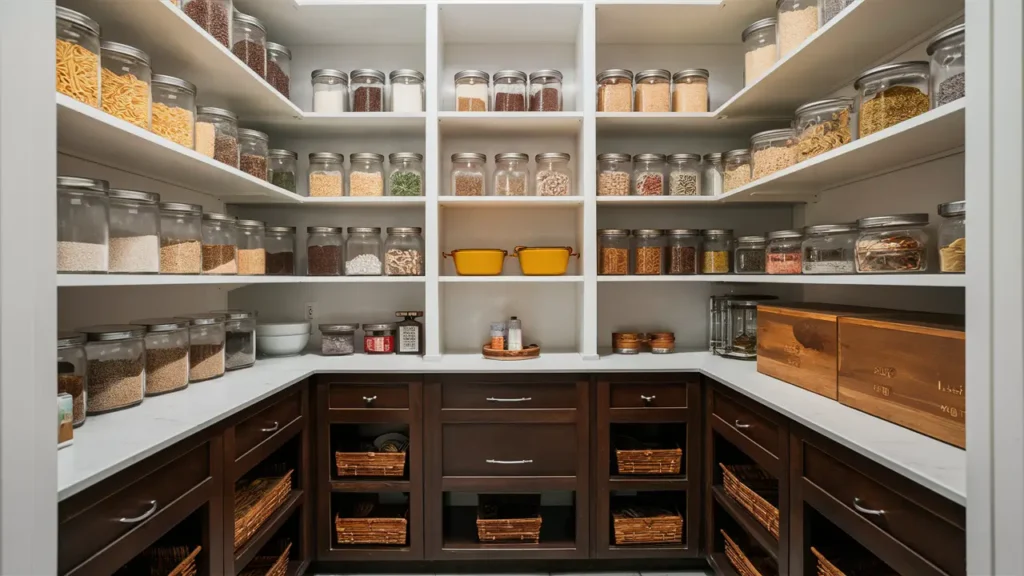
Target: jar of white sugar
{"x":330,"y":91}
{"x":82,"y":225}
{"x":406,"y":91}
{"x":134,"y":232}
{"x":363,"y":252}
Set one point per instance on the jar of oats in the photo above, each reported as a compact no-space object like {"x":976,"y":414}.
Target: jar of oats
{"x":736,"y":171}
{"x":690,"y":90}
{"x":615,"y":91}
{"x":771,"y":151}
{"x":653,"y":91}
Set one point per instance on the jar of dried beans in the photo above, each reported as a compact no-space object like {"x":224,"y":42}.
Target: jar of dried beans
{"x":736,"y":169}
{"x":338,"y":339}
{"x":653,"y":91}
{"x":406,"y":174}
{"x":953,"y":237}
{"x":649,"y":175}
{"x":403,"y":252}
{"x":363,"y":252}
{"x":684,"y":175}
{"x":126,"y":76}
{"x":326,"y":175}
{"x":367,"y":90}
{"x":823,"y":126}
{"x":760,"y":50}
{"x":717,"y":251}
{"x":690,"y":90}
{"x":167,"y":346}
{"x":947,"y":55}
{"x":683,"y":252}
{"x":330,"y":91}
{"x":512,"y":174}
{"x":648,"y":252}
{"x":253,"y":150}
{"x":282,"y":166}
{"x":615,"y":91}
{"x":174,"y":110}
{"x":546,"y":91}
{"x":279,"y":243}
{"x":798,"y":19}
{"x":784,"y":254}
{"x":366,"y":177}
{"x":134,"y":232}
{"x":509,"y":91}
{"x":613,"y":245}
{"x":614,"y":171}
{"x":72,"y":372}
{"x":220,"y":252}
{"x":892,"y":244}
{"x":181,"y":238}
{"x":553,"y":175}
{"x":249,"y":42}
{"x":890,"y":94}
{"x":749,"y":255}
{"x":324,"y":251}
{"x":117,"y":367}
{"x":468,"y":174}
{"x":829,"y":249}
{"x":713,"y":177}
{"x":239,"y":338}
{"x":252,"y":256}
{"x":379,"y":338}
{"x":217,"y":134}
{"x":407,"y":92}
{"x":771,"y":151}
{"x":83,"y":226}
{"x":214,"y":16}
{"x":472,"y":91}
{"x":78,"y":56}
{"x":279,"y":67}
{"x":206,"y":346}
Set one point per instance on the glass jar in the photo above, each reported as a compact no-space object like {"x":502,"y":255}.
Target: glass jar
{"x":379,"y":338}
{"x":749,"y":255}
{"x":324,"y":245}
{"x":252,"y":256}
{"x":771,"y":151}
{"x":406,"y":174}
{"x":890,"y":94}
{"x":760,"y":50}
{"x":615,"y":90}
{"x":282,"y":166}
{"x":117,"y":367}
{"x":240,"y":338}
{"x":684,"y":175}
{"x":217,"y":134}
{"x":214,"y":16}
{"x":892,"y":244}
{"x":717,"y":251}
{"x":253,"y":149}
{"x":798,"y":19}
{"x":683,"y":256}
{"x":614,"y":171}
{"x":736,"y":171}
{"x":471,"y":91}
{"x":613,"y":245}
{"x":713,"y":178}
{"x":249,"y":42}
{"x":947,"y":55}
{"x":83,"y":226}
{"x":784,"y":254}
{"x":690,"y":90}
{"x":649,"y":175}
{"x":330,"y":91}
{"x":953,"y":237}
{"x":338,"y":339}
{"x":546,"y":91}
{"x":174,"y":110}
{"x":653,"y":91}
{"x":509,"y":91}
{"x":206,"y":346}
{"x":407,"y":93}
{"x":512,"y":174}
{"x":326,"y":175}
{"x":823,"y":126}
{"x":831,"y":8}
{"x":181,"y":238}
{"x":366,"y":178}
{"x":367,"y":90}
{"x":648,"y":252}
{"x":363,"y":252}
{"x":220,"y":250}
{"x":741,"y":329}
{"x":829,"y":249}
{"x":72,"y":373}
{"x":167,"y":347}
{"x":125,"y":83}
{"x":279,"y":67}
{"x":78,"y":56}
{"x":279,"y":242}
{"x":134,"y":232}
{"x":403,"y":252}
{"x":553,"y":175}
{"x":469,"y":171}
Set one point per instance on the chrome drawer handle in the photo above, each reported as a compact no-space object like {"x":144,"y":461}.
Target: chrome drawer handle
{"x":648,"y":399}
{"x":272,"y":428}
{"x":523,"y":399}
{"x":137,"y":519}
{"x":489,"y":461}
{"x":369,"y":399}
{"x":741,"y":425}
{"x":868,"y":511}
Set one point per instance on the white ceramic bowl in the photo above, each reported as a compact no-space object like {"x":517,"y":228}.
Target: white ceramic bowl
{"x":281,"y":345}
{"x":282,"y":328}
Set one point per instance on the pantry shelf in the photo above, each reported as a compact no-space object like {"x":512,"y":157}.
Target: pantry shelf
{"x":313,"y":124}
{"x":924,"y":280}
{"x":676,"y":123}
{"x":78,"y":280}
{"x":516,"y":201}
{"x":510,"y":123}
{"x":357,"y":201}
{"x":514,"y":279}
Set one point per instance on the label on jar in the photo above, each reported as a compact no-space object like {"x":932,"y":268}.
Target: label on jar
{"x":408,"y":339}
{"x":379,"y":344}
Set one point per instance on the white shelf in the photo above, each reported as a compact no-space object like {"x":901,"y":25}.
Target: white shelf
{"x":357,"y":201}
{"x":654,"y":200}
{"x":681,"y":123}
{"x":317,"y":125}
{"x":479,"y":124}
{"x":510,"y":279}
{"x":936,"y":280}
{"x":674,"y":22}
{"x":356,"y":23}
{"x":69,"y":280}
{"x":510,"y":201}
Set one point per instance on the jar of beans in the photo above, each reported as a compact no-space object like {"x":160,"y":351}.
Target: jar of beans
{"x":338,"y":339}
{"x":280,"y":245}
{"x":134,"y":232}
{"x":174,"y":110}
{"x":78,"y":56}
{"x":509,"y":91}
{"x":546,"y":91}
{"x":472,"y":91}
{"x":407,"y":93}
{"x":214,"y":16}
{"x":220,"y":250}
{"x":279,"y":67}
{"x":367,"y":90}
{"x":613,"y":245}
{"x":749,"y":255}
{"x":330,"y":91}
{"x":117,"y":366}
{"x":253,"y":150}
{"x":615,"y":91}
{"x":553,"y":175}
{"x":713,"y":178}
{"x":469,"y":174}
{"x":217,"y":134}
{"x":83,"y":228}
{"x":72,"y":372}
{"x":512,"y":174}
{"x":736,"y":169}
{"x":239,"y":338}
{"x":379,"y":338}
{"x":784,"y":253}
{"x":252,"y":256}
{"x":405,"y":176}
{"x":403,"y":252}
{"x":890,"y":94}
{"x":684,"y":175}
{"x":206,"y":346}
{"x":771,"y":151}
{"x":249,"y":37}
{"x":648,"y":252}
{"x":614,"y":171}
{"x":326,"y":175}
{"x":282,"y":166}
{"x":324,"y":251}
{"x":684,"y":248}
{"x":167,"y":346}
{"x":829,"y":249}
{"x":690,"y":90}
{"x":717,"y":252}
{"x":366,"y":178}
{"x":126,"y":77}
{"x":649,"y":175}
{"x":363,"y":252}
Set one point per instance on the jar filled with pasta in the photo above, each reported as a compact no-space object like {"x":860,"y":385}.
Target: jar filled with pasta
{"x":174,"y":110}
{"x":78,"y":56}
{"x":126,"y":77}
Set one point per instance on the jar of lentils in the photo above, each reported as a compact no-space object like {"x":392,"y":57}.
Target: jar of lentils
{"x":613,"y":245}
{"x":324,"y":245}
{"x":784,"y":254}
{"x":282,"y":166}
{"x":117,"y":366}
{"x":684,"y":175}
{"x":83,"y":225}
{"x":166,"y":354}
{"x":214,"y":16}
{"x":279,"y":67}
{"x":717,"y":251}
{"x":649,"y":175}
{"x":206,"y":346}
{"x":367,"y":90}
{"x":280,"y":245}
{"x":736,"y":169}
{"x":250,"y":42}
{"x":253,"y":150}
{"x":829,"y":249}
{"x":509,"y":91}
{"x":653,"y":91}
{"x":217,"y":134}
{"x":181,"y":238}
{"x":648,"y":252}
{"x":749,"y":255}
{"x":615,"y":91}
{"x":771,"y":151}
{"x":546,"y":91}
{"x":683,"y":256}
{"x":338,"y":339}
{"x":72,"y":372}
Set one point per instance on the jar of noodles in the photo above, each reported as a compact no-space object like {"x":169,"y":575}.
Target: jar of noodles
{"x":126,"y":77}
{"x":78,"y":56}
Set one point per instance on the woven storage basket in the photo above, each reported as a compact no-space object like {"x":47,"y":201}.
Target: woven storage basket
{"x":825,"y":568}
{"x":388,"y":526}
{"x":508,"y":518}
{"x":747,"y":566}
{"x":168,"y":561}
{"x":255,"y":501}
{"x":635,"y":457}
{"x":645,"y":525}
{"x":269,"y":565}
{"x":370,"y":463}
{"x":855,"y":563}
{"x":749,"y":485}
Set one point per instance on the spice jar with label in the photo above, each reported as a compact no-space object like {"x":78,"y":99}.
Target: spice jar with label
{"x":890,"y":94}
{"x":953,"y":237}
{"x":690,"y":90}
{"x":406,"y":175}
{"x":896,"y":243}
{"x":174,"y":110}
{"x":181,"y":238}
{"x":947,"y":55}
{"x":252,"y":256}
{"x":338,"y":339}
{"x":469,"y":174}
{"x":736,"y":169}
{"x":217,"y":134}
{"x":509,"y":91}
{"x":367,"y":87}
{"x":83,"y":225}
{"x":363,"y":252}
{"x":134,"y":232}
{"x":829,"y":249}
{"x":326,"y":175}
{"x":279,"y":67}
{"x":117,"y":367}
{"x":410,"y":333}
{"x":125,"y":83}
{"x":823,"y":126}
{"x":749,"y":255}
{"x":253,"y":149}
{"x":206,"y":346}
{"x":613,"y":245}
{"x":649,"y":175}
{"x":784,"y":254}
{"x":771,"y":151}
{"x":249,"y":42}
{"x":798,"y":19}
{"x":713,"y":177}
{"x":366,"y":177}
{"x":379,"y":338}
{"x":220,"y":250}
{"x":407,"y":92}
{"x":282,"y":166}
{"x":330,"y":91}
{"x":615,"y":91}
{"x":403,"y":252}
{"x":472,"y":91}
{"x":684,"y":175}
{"x":240,"y":338}
{"x":324,"y":251}
{"x":512,"y":174}
{"x":546,"y":91}
{"x":72,"y":372}
{"x":167,"y":347}
{"x":648,"y":252}
{"x":214,"y":16}
{"x":280,"y":245}
{"x":760,"y":50}
{"x":683,"y":256}
{"x":653,"y":91}
{"x":614,"y":173}
{"x":78,"y":56}
{"x":553,"y":175}
{"x":717,"y":251}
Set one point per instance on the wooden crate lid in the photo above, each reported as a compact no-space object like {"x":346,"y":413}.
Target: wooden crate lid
{"x":820,"y":310}
{"x":949,"y":325}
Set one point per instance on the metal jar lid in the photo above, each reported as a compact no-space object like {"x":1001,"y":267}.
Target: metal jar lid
{"x":954,"y":208}
{"x":613,"y":232}
{"x":649,"y":158}
{"x":510,"y":75}
{"x":547,"y":156}
{"x":759,"y":25}
{"x":282,"y":153}
{"x":162,"y":324}
{"x":214,"y":111}
{"x":735,"y":153}
{"x":88,"y":185}
{"x":250,"y":20}
{"x":822,"y":229}
{"x":363,"y":230}
{"x":782,"y":234}
{"x":406,"y":74}
{"x":772,"y":135}
{"x":545,"y":74}
{"x":109,"y":332}
{"x":653,"y":73}
{"x":331,"y":328}
{"x":69,"y":15}
{"x":367,"y":73}
{"x":474,"y":74}
{"x":469,"y":156}
{"x":933,"y":44}
{"x":399,"y":156}
{"x":512,"y":156}
{"x":405,"y":230}
{"x":249,"y":224}
{"x":193,"y":209}
{"x":280,"y":229}
{"x":379,"y":327}
{"x":684,"y":157}
{"x":718,"y":232}
{"x":614,"y":157}
{"x":125,"y":50}
{"x":235,"y":314}
{"x":324,"y":230}
{"x":68,"y":339}
{"x":366,"y":156}
{"x":218,"y":217}
{"x":615,"y":73}
{"x":829,"y":103}
{"x":326,"y":157}
{"x":203,"y":318}
{"x":279,"y":49}
{"x":135,"y":195}
{"x":894,"y":220}
{"x":691,"y":73}
{"x":253,"y":134}
{"x":713,"y":158}
{"x":329,"y":73}
{"x":751,"y":240}
{"x":683,"y":232}
{"x":895,"y":69}
{"x":175,"y":82}
{"x":647,"y":232}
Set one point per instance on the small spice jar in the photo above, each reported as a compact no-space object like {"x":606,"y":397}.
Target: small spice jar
{"x":367,"y":90}
{"x":206,"y":346}
{"x":220,"y":250}
{"x":252,"y":256}
{"x":512,"y":174}
{"x":947,"y":57}
{"x":472,"y":91}
{"x":366,"y":178}
{"x":771,"y":151}
{"x":690,"y":90}
{"x":407,"y":93}
{"x":684,"y":175}
{"x":406,"y":174}
{"x":717,"y":251}
{"x":379,"y":338}
{"x":469,"y":171}
{"x":627,"y":342}
{"x":217,"y":134}
{"x":653,"y":91}
{"x":253,"y":149}
{"x":326,"y":175}
{"x":615,"y":91}
{"x":890,"y":94}
{"x":181,"y":238}
{"x":338,"y":339}
{"x":798,"y":19}
{"x":279,"y":67}
{"x":125,"y":83}
{"x":713,"y":176}
{"x":403,"y":252}
{"x":823,"y":126}
{"x":546,"y":91}
{"x":648,"y":252}
{"x":553,"y":175}
{"x":78,"y":56}
{"x":330,"y":91}
{"x":363,"y":252}
{"x":239,"y":338}
{"x":661,"y":342}
{"x":953,"y":237}
{"x":134,"y":232}
{"x":282,"y":165}
{"x":784,"y":254}
{"x":167,"y":347}
{"x":324,"y":251}
{"x":892,"y":244}
{"x":760,"y":50}
{"x":829,"y":249}
{"x":174,"y":110}
{"x":614,"y":171}
{"x":613,"y":245}
{"x":72,"y":372}
{"x":736,"y":170}
{"x":214,"y":16}
{"x":279,"y":242}
{"x":749,"y":255}
{"x":410,"y":333}
{"x":649,"y":175}
{"x":249,"y":42}
{"x":683,"y":251}
{"x":83,"y":226}
{"x":117,"y":367}
{"x":509,"y":91}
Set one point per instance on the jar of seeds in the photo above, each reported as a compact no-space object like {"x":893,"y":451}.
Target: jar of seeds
{"x":326,"y":175}
{"x":713,"y":178}
{"x":252,"y":256}
{"x":553,"y":175}
{"x":736,"y":169}
{"x":947,"y":56}
{"x":649,"y":175}
{"x":166,"y":354}
{"x":406,"y":175}
{"x":469,"y":171}
{"x":684,"y":248}
{"x":181,"y":238}
{"x":240,"y":338}
{"x":403,"y":252}
{"x":220,"y":249}
{"x":217,"y":134}
{"x":324,"y":250}
{"x":615,"y":91}
{"x":134,"y":232}
{"x":253,"y":149}
{"x":613,"y":245}
{"x":279,"y":243}
{"x":83,"y":227}
{"x":890,"y":94}
{"x":282,"y":168}
{"x":366,"y":178}
{"x":717,"y":251}
{"x":338,"y":339}
{"x":367,"y":90}
{"x":648,"y":252}
{"x":206,"y":346}
{"x":72,"y":372}
{"x":771,"y":151}
{"x":509,"y":91}
{"x":117,"y":366}
{"x":512,"y":174}
{"x":614,"y":171}
{"x":653,"y":91}
{"x":684,"y":175}
{"x":749,"y":255}
{"x":829,"y":249}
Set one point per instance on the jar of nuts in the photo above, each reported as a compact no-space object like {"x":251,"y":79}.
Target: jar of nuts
{"x":648,"y":252}
{"x":403,"y":252}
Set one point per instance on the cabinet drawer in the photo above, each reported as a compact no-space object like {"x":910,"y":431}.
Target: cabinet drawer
{"x":757,"y":428}
{"x":509,"y":450}
{"x":508,"y":395}
{"x":266,"y":424}
{"x":357,"y":396}
{"x":648,"y":395}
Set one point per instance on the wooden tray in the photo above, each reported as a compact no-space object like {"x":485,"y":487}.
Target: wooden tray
{"x":527,"y":353}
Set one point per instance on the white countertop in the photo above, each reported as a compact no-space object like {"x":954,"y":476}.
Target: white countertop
{"x":109,"y":443}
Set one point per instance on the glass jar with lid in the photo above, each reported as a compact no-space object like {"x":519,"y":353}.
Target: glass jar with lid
{"x":126,"y":77}
{"x":239,"y":338}
{"x":367,"y":90}
{"x":690,"y":90}
{"x":649,"y":175}
{"x":748,"y":258}
{"x":279,"y":67}
{"x":953,"y":236}
{"x":181,"y":238}
{"x":279,"y":243}
{"x":648,"y":252}
{"x":78,"y":56}
{"x":249,"y":42}
{"x":407,"y":93}
{"x":134,"y":232}
{"x":282,"y":166}
{"x":214,"y":16}
{"x":829,"y":249}
{"x":717,"y":251}
{"x":403,"y":252}
{"x":741,"y":329}
{"x":72,"y":372}
{"x":326,"y":175}
{"x":653,"y":91}
{"x":174,"y":110}
{"x":615,"y":90}
{"x":472,"y":91}
{"x":366,"y":177}
{"x":760,"y":50}
{"x":253,"y":149}
{"x":890,"y":94}
{"x":330,"y":91}
{"x":736,"y":169}
{"x":887,"y":244}
{"x":83,"y":227}
{"x":546,"y":91}
{"x":117,"y":366}
{"x":823,"y":126}
{"x":509,"y":91}
{"x":831,"y":8}
{"x":771,"y":151}
{"x":363,"y":252}
{"x":713,"y":177}
{"x":798,"y":19}
{"x":167,"y":347}
{"x":614,"y":171}
{"x":206,"y":346}
{"x":406,"y":174}
{"x":469,"y":171}
{"x":784,"y":253}
{"x":684,"y":175}
{"x":512,"y":174}
{"x":252,"y":256}
{"x":613,"y":245}
{"x":947,"y":55}
{"x":553,"y":175}
{"x":220,"y":250}
{"x":683,"y":256}
{"x":217,"y":134}
{"x":379,"y":338}
{"x":338,"y":339}
{"x":324,"y":246}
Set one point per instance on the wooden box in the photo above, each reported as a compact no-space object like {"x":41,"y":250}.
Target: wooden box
{"x":907,"y":369}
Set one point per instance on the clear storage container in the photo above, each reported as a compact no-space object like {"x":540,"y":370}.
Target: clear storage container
{"x":771,"y":151}
{"x":615,"y":91}
{"x":240,"y":338}
{"x":252,"y":256}
{"x":892,"y":244}
{"x":83,"y":228}
{"x":214,"y":16}
{"x":217,"y":134}
{"x":279,"y":67}
{"x":823,"y":126}
{"x":367,"y":90}
{"x":469,"y":170}
{"x":174,"y":110}
{"x":126,"y":93}
{"x":326,"y":175}
{"x":831,"y":8}
{"x":684,"y":175}
{"x":407,"y":93}
{"x":78,"y":56}
{"x":784,"y":254}
{"x":338,"y":339}
{"x":403,"y":252}
{"x":613,"y":245}
{"x":206,"y":346}
{"x":181,"y":238}
{"x":249,"y":42}
{"x":648,"y":252}
{"x":509,"y":91}
{"x":117,"y":367}
{"x":798,"y":19}
{"x":363,"y":252}
{"x":220,"y":250}
{"x":690,"y":90}
{"x":749,"y":255}
{"x":324,"y":246}
{"x":829,"y":249}
{"x":653,"y":91}
{"x":953,"y":236}
{"x":282,"y":167}
{"x":253,"y":150}
{"x":330,"y":91}
{"x":134,"y":232}
{"x":614,"y":171}
{"x":717,"y":251}
{"x":741,"y":328}
{"x":947,"y":55}
{"x":760,"y":50}
{"x":366,"y":177}
{"x":553,"y":175}
{"x":472,"y":91}
{"x":546,"y":91}
{"x":713,"y":176}
{"x":73,"y":373}
{"x":279,"y":243}
{"x":379,"y":338}
{"x":512,"y":174}
{"x":406,"y":174}
{"x":890,"y":94}
{"x":649,"y":175}
{"x":683,"y":257}
{"x":167,"y":347}
{"x":736,"y":169}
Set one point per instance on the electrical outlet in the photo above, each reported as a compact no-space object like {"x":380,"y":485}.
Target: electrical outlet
{"x":310,"y":310}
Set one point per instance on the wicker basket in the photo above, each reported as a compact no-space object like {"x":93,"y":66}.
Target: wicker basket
{"x":856,"y":564}
{"x":508,"y":518}
{"x":388,"y":525}
{"x":749,"y":485}
{"x":269,"y":565}
{"x":370,"y":463}
{"x":649,"y":460}
{"x":647,"y":525}
{"x":255,"y":501}
{"x":747,"y":566}
{"x":825,"y":568}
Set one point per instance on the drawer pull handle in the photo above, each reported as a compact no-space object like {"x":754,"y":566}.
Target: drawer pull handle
{"x":523,"y":399}
{"x":137,"y":519}
{"x":868,"y":511}
{"x":648,"y":399}
{"x":272,"y":428}
{"x":740,"y":425}
{"x":369,"y":399}
{"x":490,"y":461}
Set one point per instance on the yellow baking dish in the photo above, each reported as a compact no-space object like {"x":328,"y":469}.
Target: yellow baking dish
{"x":478,"y":261}
{"x":543,"y":260}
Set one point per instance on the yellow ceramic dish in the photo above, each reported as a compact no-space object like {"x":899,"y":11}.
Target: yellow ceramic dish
{"x":478,"y":262}
{"x":544,"y":261}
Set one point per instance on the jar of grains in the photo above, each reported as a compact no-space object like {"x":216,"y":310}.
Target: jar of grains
{"x":824,"y":125}
{"x":512,"y":174}
{"x":407,"y":92}
{"x":83,"y":227}
{"x":282,"y":166}
{"x":125,"y":80}
{"x":117,"y":366}
{"x":134,"y":232}
{"x":406,"y":176}
{"x":717,"y":251}
{"x":78,"y":56}
{"x":649,"y":175}
{"x":953,"y":237}
{"x":690,"y":90}
{"x":613,"y":244}
{"x":239,"y":338}
{"x":553,"y":175}
{"x":546,"y":91}
{"x":253,"y":149}
{"x":760,"y":51}
{"x":72,"y":372}
{"x":214,"y":16}
{"x":648,"y":252}
{"x":798,"y":19}
{"x":947,"y":55}
{"x":831,"y":8}
{"x":613,"y":173}
{"x":217,"y":134}
{"x":174,"y":110}
{"x":403,"y":252}
{"x":749,"y":255}
{"x":784,"y":254}
{"x":279,"y":67}
{"x":615,"y":91}
{"x":279,"y":243}
{"x":167,"y":346}
{"x":326,"y":175}
{"x":249,"y":42}
{"x":379,"y":338}
{"x":206,"y":346}
{"x":252,"y":256}
{"x":367,"y":90}
{"x":330,"y":91}
{"x":890,"y":94}
{"x":220,"y":252}
{"x":509,"y":91}
{"x":338,"y":339}
{"x":472,"y":91}
{"x":363,"y":252}
{"x":468,"y":174}
{"x":736,"y":169}
{"x":366,"y":177}
{"x":892,"y":244}
{"x":771,"y":151}
{"x":181,"y":238}
{"x":684,"y":175}
{"x":829,"y":248}
{"x":683,"y":252}
{"x":324,"y":251}
{"x":712,"y":180}
{"x":653,"y":91}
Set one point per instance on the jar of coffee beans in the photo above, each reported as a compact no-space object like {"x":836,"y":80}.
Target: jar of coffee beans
{"x":117,"y":366}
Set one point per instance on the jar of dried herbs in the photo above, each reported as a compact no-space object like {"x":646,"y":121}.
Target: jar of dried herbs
{"x":405,"y":176}
{"x":282,"y":167}
{"x":890,"y":94}
{"x":823,"y":126}
{"x":749,"y":255}
{"x":888,"y":244}
{"x":648,"y":252}
{"x":953,"y":237}
{"x":717,"y":251}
